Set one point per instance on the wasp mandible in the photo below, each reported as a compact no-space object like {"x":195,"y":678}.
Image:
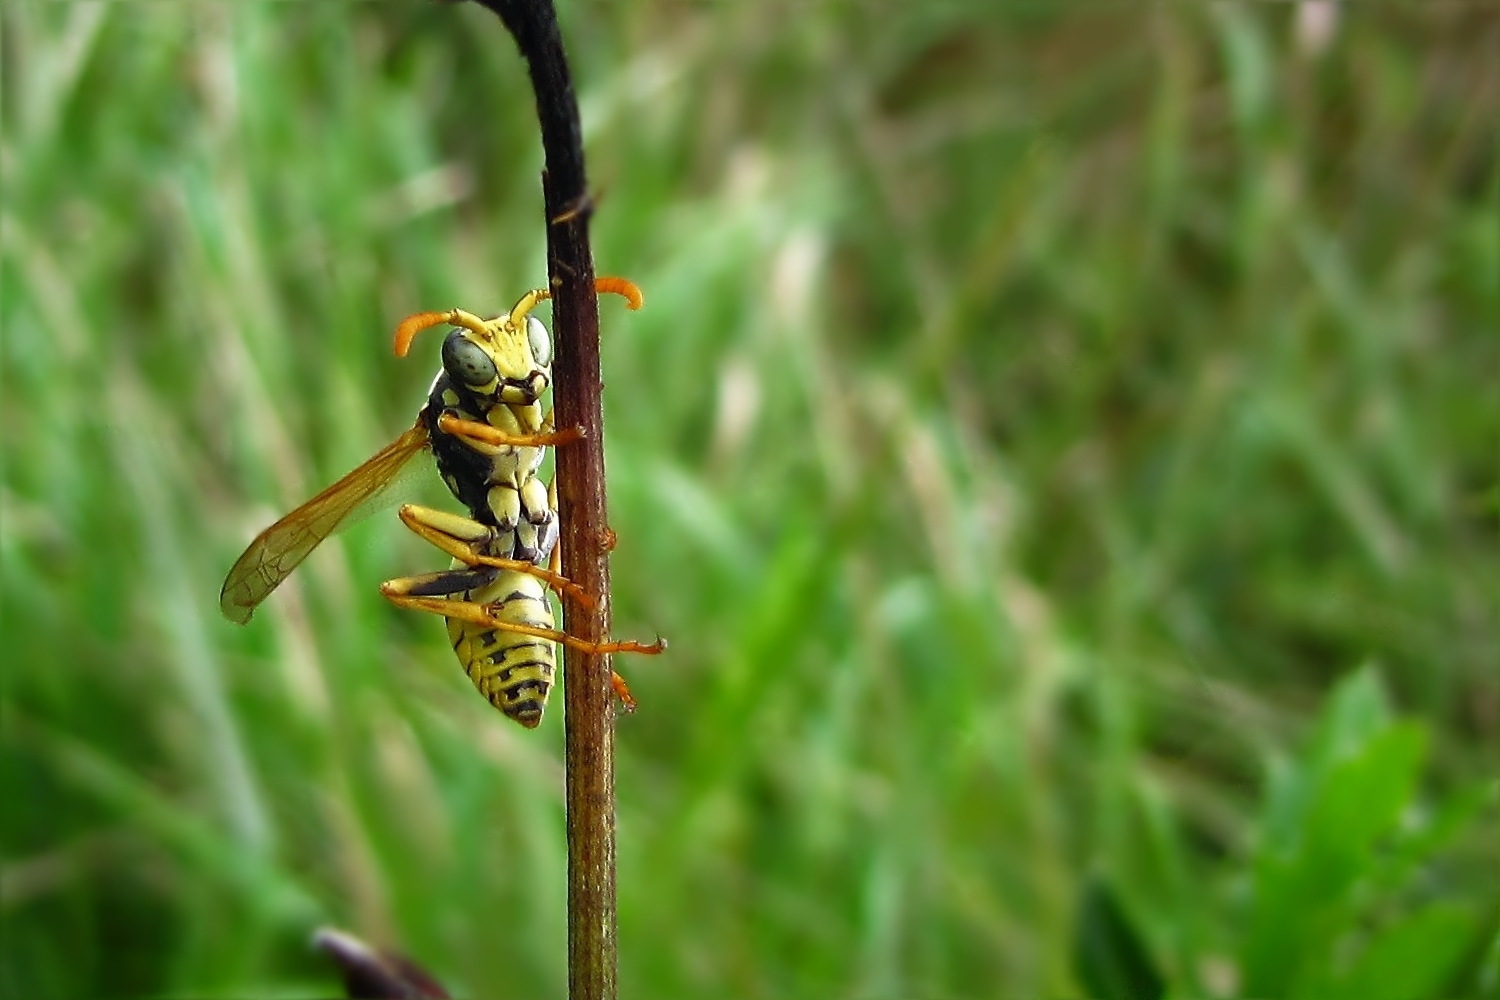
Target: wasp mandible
{"x":485,"y":425}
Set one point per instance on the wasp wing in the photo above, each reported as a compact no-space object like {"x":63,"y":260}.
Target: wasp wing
{"x":278,"y":550}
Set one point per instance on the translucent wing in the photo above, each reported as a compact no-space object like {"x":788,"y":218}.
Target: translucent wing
{"x":281,"y":547}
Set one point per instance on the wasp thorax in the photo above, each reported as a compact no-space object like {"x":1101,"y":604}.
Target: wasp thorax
{"x":467,"y":362}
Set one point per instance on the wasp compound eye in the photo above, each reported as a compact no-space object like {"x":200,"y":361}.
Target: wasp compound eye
{"x":466,"y":361}
{"x":541,"y":342}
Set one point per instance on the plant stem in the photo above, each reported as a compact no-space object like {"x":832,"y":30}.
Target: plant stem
{"x":587,"y":694}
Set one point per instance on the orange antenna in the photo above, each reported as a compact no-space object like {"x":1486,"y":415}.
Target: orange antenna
{"x":621,"y":286}
{"x":417,"y":322}
{"x":413,"y":325}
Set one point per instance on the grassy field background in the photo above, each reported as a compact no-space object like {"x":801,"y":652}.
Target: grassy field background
{"x":1059,"y":443}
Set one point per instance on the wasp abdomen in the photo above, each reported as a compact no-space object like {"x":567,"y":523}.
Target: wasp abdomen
{"x":514,"y":671}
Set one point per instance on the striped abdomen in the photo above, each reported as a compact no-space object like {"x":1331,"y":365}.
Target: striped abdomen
{"x":514,"y":671}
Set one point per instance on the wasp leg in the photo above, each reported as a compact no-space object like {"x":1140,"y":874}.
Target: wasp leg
{"x":459,"y":536}
{"x":405,"y":593}
{"x":408,"y":593}
{"x":411,"y":591}
{"x":474,"y":432}
{"x":622,"y":690}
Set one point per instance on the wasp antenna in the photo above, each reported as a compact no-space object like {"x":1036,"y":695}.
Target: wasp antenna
{"x":417,"y":322}
{"x":528,"y":302}
{"x":621,"y":286}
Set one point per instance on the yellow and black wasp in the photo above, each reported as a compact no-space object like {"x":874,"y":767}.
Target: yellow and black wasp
{"x":485,"y":426}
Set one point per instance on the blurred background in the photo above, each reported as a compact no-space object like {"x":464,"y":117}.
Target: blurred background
{"x":1059,"y":445}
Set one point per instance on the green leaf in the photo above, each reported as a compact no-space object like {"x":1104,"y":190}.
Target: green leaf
{"x":1414,"y":957}
{"x":1109,"y":958}
{"x":1325,"y":822}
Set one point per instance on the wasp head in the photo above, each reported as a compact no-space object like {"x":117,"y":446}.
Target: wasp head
{"x":508,"y":358}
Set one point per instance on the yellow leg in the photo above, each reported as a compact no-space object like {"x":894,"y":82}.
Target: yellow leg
{"x":473,"y":431}
{"x":480,"y":614}
{"x":622,"y":690}
{"x":459,"y":536}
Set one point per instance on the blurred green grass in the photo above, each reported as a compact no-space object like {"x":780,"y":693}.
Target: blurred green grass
{"x":1036,"y":411}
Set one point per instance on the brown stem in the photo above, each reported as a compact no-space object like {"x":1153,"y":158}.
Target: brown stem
{"x":587,"y":697}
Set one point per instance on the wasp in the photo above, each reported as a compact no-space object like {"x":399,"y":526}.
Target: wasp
{"x":485,"y":425}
